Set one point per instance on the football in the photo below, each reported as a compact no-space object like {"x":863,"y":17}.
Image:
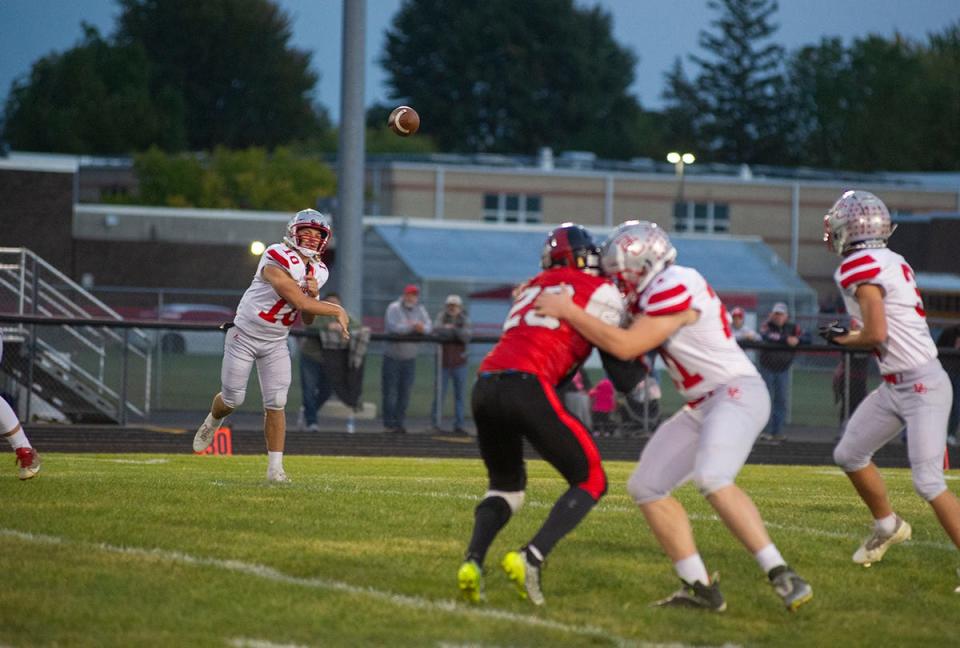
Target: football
{"x":404,"y":121}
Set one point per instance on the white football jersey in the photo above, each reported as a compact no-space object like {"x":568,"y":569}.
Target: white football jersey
{"x":262,"y":313}
{"x":908,"y":344}
{"x":704,"y":355}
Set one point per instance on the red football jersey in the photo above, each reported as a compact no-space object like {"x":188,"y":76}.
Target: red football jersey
{"x":546,"y":346}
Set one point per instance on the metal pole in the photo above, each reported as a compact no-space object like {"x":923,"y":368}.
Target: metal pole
{"x":350,"y":219}
{"x":438,"y":386}
{"x":795,"y":226}
{"x":124,"y":359}
{"x":846,"y":385}
{"x":438,"y":197}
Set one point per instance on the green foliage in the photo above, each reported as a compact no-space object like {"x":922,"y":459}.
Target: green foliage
{"x":244,"y":179}
{"x":241,"y":82}
{"x":177,"y":74}
{"x":176,"y":550}
{"x":94,"y":98}
{"x":505,"y":76}
{"x":734,"y":104}
{"x":879,"y":104}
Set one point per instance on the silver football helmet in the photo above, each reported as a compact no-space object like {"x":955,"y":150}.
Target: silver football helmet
{"x":635,"y":253}
{"x":858,"y":220}
{"x":313,"y":219}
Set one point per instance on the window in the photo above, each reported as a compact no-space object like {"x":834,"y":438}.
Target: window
{"x":707,"y":218}
{"x":512,"y":208}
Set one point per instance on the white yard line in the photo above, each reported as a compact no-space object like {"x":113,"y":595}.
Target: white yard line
{"x":271,"y":574}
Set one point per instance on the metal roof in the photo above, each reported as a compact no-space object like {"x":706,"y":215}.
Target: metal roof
{"x":506,"y":255}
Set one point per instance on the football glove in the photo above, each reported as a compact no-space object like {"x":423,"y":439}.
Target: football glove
{"x":833,"y":330}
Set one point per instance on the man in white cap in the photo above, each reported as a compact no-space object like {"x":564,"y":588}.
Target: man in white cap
{"x":453,"y":326}
{"x":775,"y":365}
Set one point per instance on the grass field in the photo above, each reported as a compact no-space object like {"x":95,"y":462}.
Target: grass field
{"x":138,"y":550}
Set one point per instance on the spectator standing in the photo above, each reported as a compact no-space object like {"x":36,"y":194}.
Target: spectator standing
{"x":405,"y":316}
{"x":775,"y":365}
{"x":603,"y":403}
{"x":452,"y":325}
{"x":316,"y":383}
{"x":950,"y":338}
{"x":740,"y":330}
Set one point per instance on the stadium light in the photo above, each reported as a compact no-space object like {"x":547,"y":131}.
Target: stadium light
{"x":257,"y":248}
{"x":679,"y":161}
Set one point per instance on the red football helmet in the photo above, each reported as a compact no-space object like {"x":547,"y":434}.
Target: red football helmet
{"x":308,"y":218}
{"x":571,"y":246}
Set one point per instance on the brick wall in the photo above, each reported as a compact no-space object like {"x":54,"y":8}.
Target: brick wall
{"x":36,"y":211}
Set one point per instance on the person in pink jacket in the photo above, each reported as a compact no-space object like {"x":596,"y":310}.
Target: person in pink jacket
{"x":603,"y":403}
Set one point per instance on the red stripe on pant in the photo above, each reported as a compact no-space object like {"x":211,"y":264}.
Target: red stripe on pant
{"x":596,"y":482}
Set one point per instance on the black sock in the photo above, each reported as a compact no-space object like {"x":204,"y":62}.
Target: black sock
{"x":566,"y":514}
{"x":491,"y":515}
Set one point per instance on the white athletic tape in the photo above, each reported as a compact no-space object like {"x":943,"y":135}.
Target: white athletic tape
{"x":271,"y":574}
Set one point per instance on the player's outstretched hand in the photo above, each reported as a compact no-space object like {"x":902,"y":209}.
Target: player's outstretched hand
{"x":830,"y":332}
{"x":344,"y":321}
{"x":554,"y":304}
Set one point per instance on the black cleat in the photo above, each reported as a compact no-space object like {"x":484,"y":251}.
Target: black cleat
{"x":696,"y":595}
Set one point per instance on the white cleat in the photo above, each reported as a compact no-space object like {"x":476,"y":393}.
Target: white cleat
{"x":871,"y":550}
{"x":204,"y":437}
{"x":277,"y":477}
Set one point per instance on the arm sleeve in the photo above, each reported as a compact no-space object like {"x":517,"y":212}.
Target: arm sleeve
{"x":624,"y":374}
{"x":668,"y":298}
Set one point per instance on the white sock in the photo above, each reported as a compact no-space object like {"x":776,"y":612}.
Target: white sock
{"x":886,"y":525}
{"x":692,"y":569}
{"x":769,"y":557}
{"x":18,"y":440}
{"x":213,"y":422}
{"x":274,"y":460}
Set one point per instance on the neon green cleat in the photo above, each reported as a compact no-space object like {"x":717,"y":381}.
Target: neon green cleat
{"x":470,"y":581}
{"x":525,"y":577}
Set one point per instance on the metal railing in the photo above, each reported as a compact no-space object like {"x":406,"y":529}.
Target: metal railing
{"x":827,"y":381}
{"x":77,"y":350}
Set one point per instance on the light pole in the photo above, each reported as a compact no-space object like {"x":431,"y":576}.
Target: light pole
{"x":679,"y":161}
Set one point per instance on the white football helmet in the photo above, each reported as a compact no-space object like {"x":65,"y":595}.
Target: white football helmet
{"x":313,"y":219}
{"x":858,"y":220}
{"x":634,"y":254}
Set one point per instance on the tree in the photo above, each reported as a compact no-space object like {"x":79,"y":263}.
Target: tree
{"x":231,"y":179}
{"x":94,"y":98}
{"x":819,"y":103}
{"x":241,"y":83}
{"x":509,"y":76}
{"x":737,"y":116}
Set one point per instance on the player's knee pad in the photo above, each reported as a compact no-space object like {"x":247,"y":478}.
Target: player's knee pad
{"x":848,"y":458}
{"x":275,"y":400}
{"x":232,"y":398}
{"x":928,"y":478}
{"x":710,"y":481}
{"x":514,"y":499}
{"x":644,"y":491}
